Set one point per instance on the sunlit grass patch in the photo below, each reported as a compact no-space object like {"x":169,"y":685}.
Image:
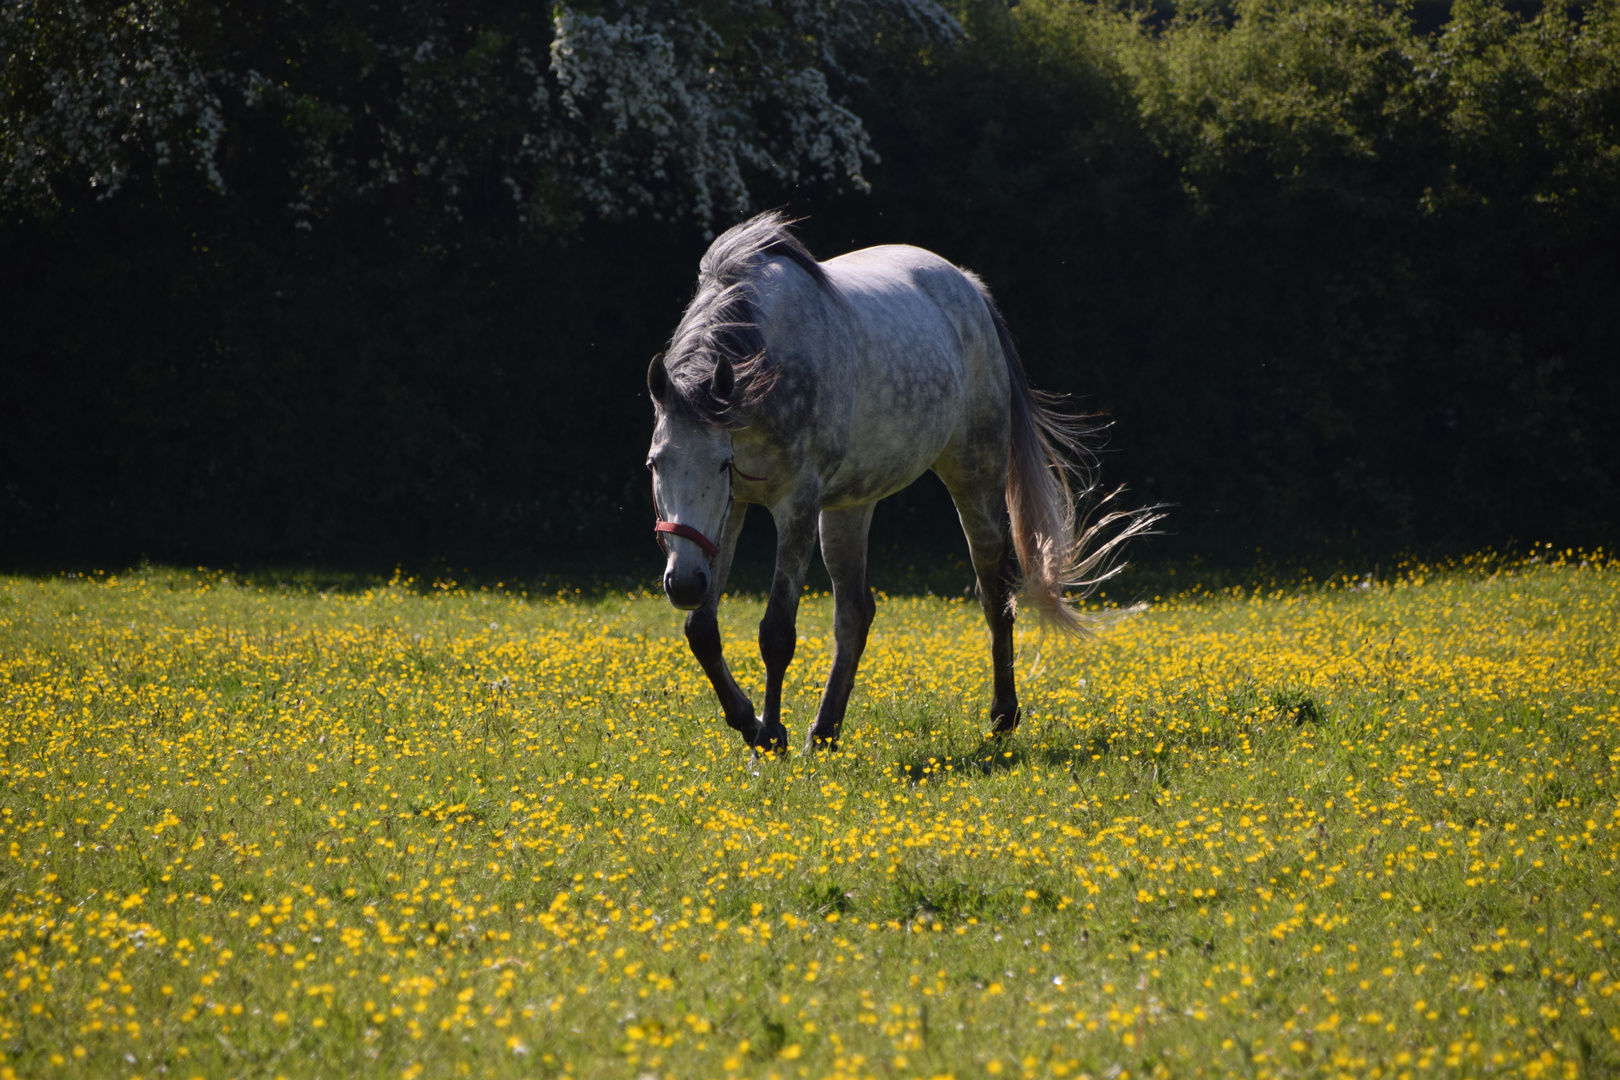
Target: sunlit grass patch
{"x":1364,"y":828}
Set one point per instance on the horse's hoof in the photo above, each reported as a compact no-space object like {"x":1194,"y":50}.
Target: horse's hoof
{"x":815,"y":744}
{"x":769,"y":740}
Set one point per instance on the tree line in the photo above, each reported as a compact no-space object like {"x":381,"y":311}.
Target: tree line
{"x":289,"y":282}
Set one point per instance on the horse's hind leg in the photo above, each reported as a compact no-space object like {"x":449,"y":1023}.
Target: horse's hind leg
{"x":983,"y":511}
{"x":843,"y":549}
{"x":703,"y":635}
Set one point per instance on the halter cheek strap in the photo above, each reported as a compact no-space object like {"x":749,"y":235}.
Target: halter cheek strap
{"x":675,"y":528}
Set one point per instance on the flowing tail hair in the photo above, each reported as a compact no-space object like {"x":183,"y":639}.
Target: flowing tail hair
{"x":1061,"y":547}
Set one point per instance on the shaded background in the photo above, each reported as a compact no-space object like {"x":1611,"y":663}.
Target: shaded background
{"x":1344,"y":277}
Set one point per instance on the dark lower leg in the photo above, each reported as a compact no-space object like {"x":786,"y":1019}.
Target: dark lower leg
{"x":778,"y":639}
{"x":996,"y":598}
{"x":843,"y":549}
{"x":778,"y":630}
{"x":703,"y":634}
{"x":851,"y":623}
{"x":977,"y":484}
{"x":1004,"y":711}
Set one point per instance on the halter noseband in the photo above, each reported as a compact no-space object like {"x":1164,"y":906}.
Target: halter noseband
{"x":675,"y":528}
{"x":687,"y":531}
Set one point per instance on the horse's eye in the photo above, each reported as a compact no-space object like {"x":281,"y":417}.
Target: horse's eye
{"x":724,"y":465}
{"x":652,"y":464}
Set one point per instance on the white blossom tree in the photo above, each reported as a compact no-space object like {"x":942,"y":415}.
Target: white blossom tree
{"x":667,"y":108}
{"x":87,"y":90}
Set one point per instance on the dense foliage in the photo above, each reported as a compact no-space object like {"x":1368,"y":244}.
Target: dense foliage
{"x":614,"y":108}
{"x":289,"y":280}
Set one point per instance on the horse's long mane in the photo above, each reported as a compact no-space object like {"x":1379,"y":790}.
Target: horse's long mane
{"x":722,"y":320}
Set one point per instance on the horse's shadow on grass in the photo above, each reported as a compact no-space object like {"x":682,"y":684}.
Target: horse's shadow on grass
{"x":997,"y":754}
{"x":1083,"y":753}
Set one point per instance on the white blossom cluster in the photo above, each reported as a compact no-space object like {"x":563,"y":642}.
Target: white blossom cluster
{"x":84,"y":86}
{"x":661,"y":94}
{"x":667,"y":108}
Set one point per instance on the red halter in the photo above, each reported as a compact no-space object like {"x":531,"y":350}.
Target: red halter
{"x":690,"y":533}
{"x":675,"y":528}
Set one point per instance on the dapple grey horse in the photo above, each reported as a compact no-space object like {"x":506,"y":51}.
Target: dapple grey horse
{"x":815,"y":390}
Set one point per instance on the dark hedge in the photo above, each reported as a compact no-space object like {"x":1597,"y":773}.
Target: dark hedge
{"x":1338,"y":280}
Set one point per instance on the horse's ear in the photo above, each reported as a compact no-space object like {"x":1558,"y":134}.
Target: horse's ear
{"x":657,"y":378}
{"x":724,"y":379}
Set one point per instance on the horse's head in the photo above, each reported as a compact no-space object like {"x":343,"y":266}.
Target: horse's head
{"x":691,"y":476}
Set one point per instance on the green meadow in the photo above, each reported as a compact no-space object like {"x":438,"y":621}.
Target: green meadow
{"x":1356,"y":828}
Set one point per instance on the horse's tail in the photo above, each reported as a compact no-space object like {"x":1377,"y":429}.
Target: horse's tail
{"x":1049,"y":479}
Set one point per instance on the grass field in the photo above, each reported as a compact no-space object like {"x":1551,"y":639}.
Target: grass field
{"x":1358,"y":828}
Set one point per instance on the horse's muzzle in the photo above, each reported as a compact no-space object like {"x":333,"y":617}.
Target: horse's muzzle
{"x":687,"y":591}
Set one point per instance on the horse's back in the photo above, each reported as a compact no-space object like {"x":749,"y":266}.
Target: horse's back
{"x":948,"y":326}
{"x":908,"y":362}
{"x":893,"y":278}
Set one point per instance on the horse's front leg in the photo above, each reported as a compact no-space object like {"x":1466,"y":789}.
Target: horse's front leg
{"x":703,"y":634}
{"x":778,"y":630}
{"x":843,"y":549}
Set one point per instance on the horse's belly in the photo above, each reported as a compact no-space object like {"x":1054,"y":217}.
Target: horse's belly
{"x":861,"y":488}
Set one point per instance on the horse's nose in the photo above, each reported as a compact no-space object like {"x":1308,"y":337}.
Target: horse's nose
{"x":686,"y":591}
